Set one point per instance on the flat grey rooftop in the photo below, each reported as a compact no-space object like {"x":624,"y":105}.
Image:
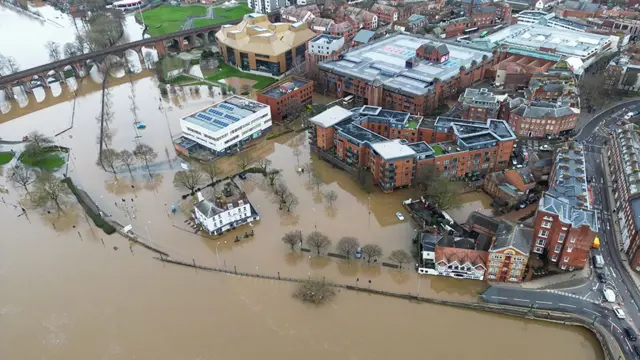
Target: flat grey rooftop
{"x":386,"y":59}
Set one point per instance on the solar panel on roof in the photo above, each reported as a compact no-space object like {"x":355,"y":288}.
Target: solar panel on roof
{"x":231,"y":117}
{"x":219,"y":123}
{"x":202,"y":116}
{"x":227,"y":107}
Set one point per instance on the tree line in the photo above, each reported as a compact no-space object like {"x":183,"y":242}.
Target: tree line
{"x":347,"y":246}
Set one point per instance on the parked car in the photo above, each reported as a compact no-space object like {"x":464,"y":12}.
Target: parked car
{"x":631,"y":334}
{"x":636,"y":349}
{"x":602,"y":278}
{"x":619,"y":312}
{"x":242,"y":176}
{"x":545,"y":147}
{"x":609,"y":295}
{"x":399,"y":215}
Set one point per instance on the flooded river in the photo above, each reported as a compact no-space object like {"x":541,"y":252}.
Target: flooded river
{"x":67,"y":295}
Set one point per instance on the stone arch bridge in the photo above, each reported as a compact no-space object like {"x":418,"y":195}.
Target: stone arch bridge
{"x":53,"y":72}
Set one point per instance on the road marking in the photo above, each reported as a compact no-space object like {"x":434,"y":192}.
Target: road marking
{"x":567,"y":305}
{"x":499,"y":297}
{"x":597,"y":286}
{"x":593,"y":312}
{"x":544,"y":302}
{"x":586,"y":296}
{"x":614,"y":325}
{"x":524,"y":300}
{"x":612,"y":272}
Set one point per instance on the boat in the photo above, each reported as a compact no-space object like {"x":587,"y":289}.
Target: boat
{"x":141,"y":126}
{"x":399,"y":215}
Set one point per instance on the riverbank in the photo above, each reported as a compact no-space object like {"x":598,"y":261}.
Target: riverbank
{"x":609,"y":345}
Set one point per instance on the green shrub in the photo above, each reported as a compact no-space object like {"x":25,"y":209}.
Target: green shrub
{"x":97,"y":219}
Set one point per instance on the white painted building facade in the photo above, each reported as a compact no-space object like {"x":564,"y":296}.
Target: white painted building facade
{"x":216,"y":219}
{"x":227,"y":124}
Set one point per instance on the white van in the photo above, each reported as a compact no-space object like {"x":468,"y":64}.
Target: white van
{"x":598,"y":261}
{"x":609,"y":295}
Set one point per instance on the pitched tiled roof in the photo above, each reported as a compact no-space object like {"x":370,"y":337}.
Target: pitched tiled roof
{"x":514,"y":236}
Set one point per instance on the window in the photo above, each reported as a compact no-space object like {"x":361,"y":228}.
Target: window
{"x":573,"y":240}
{"x":561,"y":238}
{"x":540,"y":242}
{"x":546,"y":224}
{"x":570,"y":249}
{"x":548,"y":218}
{"x":566,"y":259}
{"x":543,"y":233}
{"x":557,"y":249}
{"x":564,"y":266}
{"x":538,"y":250}
{"x":554,"y":258}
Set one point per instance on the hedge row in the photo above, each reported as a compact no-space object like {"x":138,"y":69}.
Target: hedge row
{"x":97,"y":219}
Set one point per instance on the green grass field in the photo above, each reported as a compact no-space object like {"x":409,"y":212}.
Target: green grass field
{"x":224,"y":14}
{"x":5,"y":157}
{"x":166,"y":19}
{"x":227,"y":71}
{"x":50,"y":161}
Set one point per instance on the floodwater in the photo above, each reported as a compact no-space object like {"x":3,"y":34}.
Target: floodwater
{"x":240,"y":85}
{"x":68,"y":293}
{"x":23,"y":36}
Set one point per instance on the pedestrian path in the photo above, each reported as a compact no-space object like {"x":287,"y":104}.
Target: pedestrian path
{"x":572,"y":295}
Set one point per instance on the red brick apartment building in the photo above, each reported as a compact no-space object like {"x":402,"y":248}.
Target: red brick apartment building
{"x":624,"y":162}
{"x":394,"y":145}
{"x":386,"y":14}
{"x":279,"y":95}
{"x":481,"y":105}
{"x":404,"y":72}
{"x":565,"y":225}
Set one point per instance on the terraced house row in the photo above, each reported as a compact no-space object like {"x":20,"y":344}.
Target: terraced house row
{"x":394,"y":145}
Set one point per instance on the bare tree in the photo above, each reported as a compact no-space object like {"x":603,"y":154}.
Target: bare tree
{"x":21,"y":176}
{"x":280,"y":189}
{"x":211,"y":170}
{"x":289,"y":201}
{"x":347,"y":246}
{"x":273,"y":175}
{"x":318,"y":241}
{"x":401,"y":257}
{"x":297,"y":152}
{"x":293,"y":109}
{"x":188,"y":179}
{"x":243,"y":160}
{"x":53,"y":50}
{"x":315,"y":291}
{"x":36,"y":145}
{"x":246,"y":88}
{"x":146,"y":154}
{"x":292,"y":238}
{"x":8,"y":64}
{"x":70,"y":50}
{"x":372,"y":251}
{"x":316,"y":180}
{"x":81,"y":43}
{"x":104,"y":31}
{"x":330,"y":196}
{"x":110,"y":158}
{"x":308,"y":168}
{"x":264,"y":164}
{"x":149,"y":59}
{"x":127,"y":159}
{"x":49,"y":189}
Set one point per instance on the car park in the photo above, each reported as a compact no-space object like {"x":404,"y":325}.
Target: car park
{"x":619,"y":312}
{"x":631,"y":334}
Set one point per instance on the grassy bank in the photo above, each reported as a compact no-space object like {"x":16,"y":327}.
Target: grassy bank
{"x":226,"y":71}
{"x":223,"y":15}
{"x":5,"y":157}
{"x":51,"y":160}
{"x":90,"y":209}
{"x":166,"y":19}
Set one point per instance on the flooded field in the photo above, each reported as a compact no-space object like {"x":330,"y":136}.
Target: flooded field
{"x":241,"y":85}
{"x":70,"y":291}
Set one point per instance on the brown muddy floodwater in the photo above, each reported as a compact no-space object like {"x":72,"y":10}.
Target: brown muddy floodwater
{"x":239,"y":84}
{"x":66,"y":295}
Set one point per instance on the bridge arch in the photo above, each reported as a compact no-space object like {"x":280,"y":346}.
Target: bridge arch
{"x":200,"y":39}
{"x":54,"y":76}
{"x":133,"y":60}
{"x":70,"y":71}
{"x":173,"y":45}
{"x":37,"y":81}
{"x":211,"y":36}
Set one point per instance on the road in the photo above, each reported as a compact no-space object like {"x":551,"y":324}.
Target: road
{"x":547,"y":300}
{"x":587,"y":299}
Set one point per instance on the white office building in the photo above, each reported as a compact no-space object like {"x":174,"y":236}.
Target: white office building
{"x":325,"y":44}
{"x":227,"y":209}
{"x":267,"y":6}
{"x":227,"y":125}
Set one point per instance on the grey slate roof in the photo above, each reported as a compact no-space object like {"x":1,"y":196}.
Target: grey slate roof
{"x":363,"y":36}
{"x":207,"y":208}
{"x":484,"y":221}
{"x":541,"y":109}
{"x":514,"y":236}
{"x":568,"y":196}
